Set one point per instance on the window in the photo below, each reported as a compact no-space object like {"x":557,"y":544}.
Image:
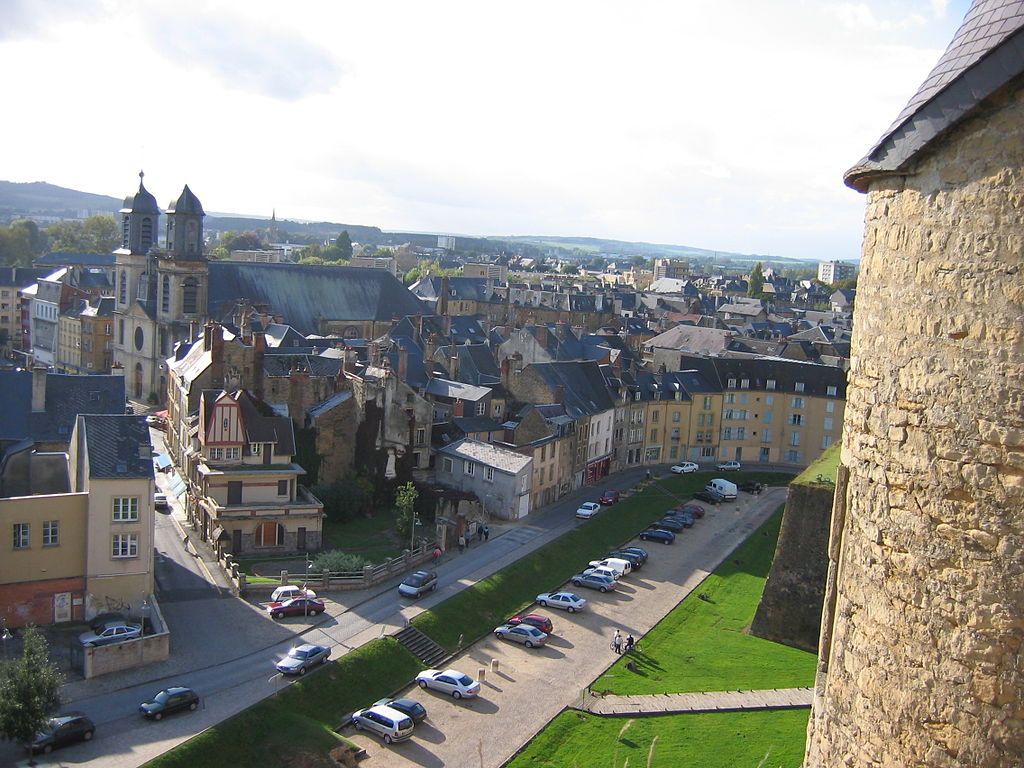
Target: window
{"x":120,"y":331}
{"x":675,"y":417}
{"x":481,"y":408}
{"x":446,"y":464}
{"x":654,"y":417}
{"x":126,"y":509}
{"x":830,"y":391}
{"x":730,"y":398}
{"x":255,"y":448}
{"x":653,"y":455}
{"x":727,"y":433}
{"x":744,"y":383}
{"x":731,"y":384}
{"x":490,"y":474}
{"x":826,"y":441}
{"x":21,"y":535}
{"x":798,"y":402}
{"x":51,"y":533}
{"x":796,"y":419}
{"x":124,"y":290}
{"x":674,"y":453}
{"x":675,"y":434}
{"x":216,"y":453}
{"x":766,"y":435}
{"x":270,"y":534}
{"x":707,"y":452}
{"x":165,"y":294}
{"x":225,"y":424}
{"x":125,"y":545}
{"x":282,"y":487}
{"x":190,"y":289}
{"x":798,"y":386}
{"x":707,"y":402}
{"x":793,"y":457}
{"x":469,"y":468}
{"x":233,"y":453}
{"x":830,"y":406}
{"x":828,"y":425}
{"x":769,"y":384}
{"x":741,"y":433}
{"x":421,"y":436}
{"x":654,"y":435}
{"x":794,"y":438}
{"x":769,"y":400}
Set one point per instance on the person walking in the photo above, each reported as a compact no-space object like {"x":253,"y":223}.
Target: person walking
{"x":487,"y":532}
{"x":479,"y":532}
{"x":437,"y":555}
{"x":630,"y":642}
{"x":617,"y":642}
{"x":462,"y":543}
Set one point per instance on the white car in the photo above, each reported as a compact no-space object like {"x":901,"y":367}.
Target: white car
{"x":588,"y":509}
{"x":289,"y":591}
{"x":729,"y":466}
{"x":111,"y":632}
{"x":685,"y":467}
{"x":622,"y":567}
{"x":457,"y":684}
{"x":567,"y":601}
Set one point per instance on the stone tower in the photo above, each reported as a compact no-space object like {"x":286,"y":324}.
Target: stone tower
{"x":921,"y":649}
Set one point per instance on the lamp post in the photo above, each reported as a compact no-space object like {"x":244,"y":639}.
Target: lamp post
{"x":5,"y":636}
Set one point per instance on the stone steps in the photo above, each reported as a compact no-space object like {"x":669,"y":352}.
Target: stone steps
{"x":421,"y":646}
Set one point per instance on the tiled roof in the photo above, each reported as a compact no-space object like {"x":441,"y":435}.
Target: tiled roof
{"x":118,"y":446}
{"x":489,"y":455}
{"x":986,"y":53}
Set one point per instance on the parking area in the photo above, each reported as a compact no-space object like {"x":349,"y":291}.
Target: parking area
{"x":531,"y":686}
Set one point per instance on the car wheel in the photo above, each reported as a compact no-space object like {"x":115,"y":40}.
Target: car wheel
{"x":48,"y":749}
{"x":158,"y":716}
{"x":423,"y":684}
{"x":433,"y":587}
{"x":302,"y":671}
{"x":193,"y":706}
{"x":529,"y":644}
{"x":87,"y":736}
{"x":358,"y":726}
{"x":387,"y":738}
{"x":542,"y":603}
{"x":571,"y":609}
{"x":277,"y":615}
{"x":456,"y":695}
{"x":315,"y":613}
{"x":667,"y":541}
{"x":603,"y":589}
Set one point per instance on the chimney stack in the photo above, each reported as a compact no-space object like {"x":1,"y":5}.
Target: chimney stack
{"x":403,"y":363}
{"x":559,"y":394}
{"x":541,"y":332}
{"x":38,"y":388}
{"x":459,"y":410}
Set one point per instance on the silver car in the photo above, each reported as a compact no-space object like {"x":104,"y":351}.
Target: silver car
{"x":111,"y":632}
{"x":529,"y":636}
{"x":390,"y":724}
{"x":599,"y":581}
{"x":302,"y":658}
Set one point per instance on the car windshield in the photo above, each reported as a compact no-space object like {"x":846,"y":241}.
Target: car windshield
{"x":416,"y":579}
{"x":299,"y":653}
{"x":465,"y":680}
{"x":162,"y":697}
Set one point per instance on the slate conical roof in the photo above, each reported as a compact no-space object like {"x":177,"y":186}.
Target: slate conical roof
{"x":986,"y":53}
{"x":187,"y":202}
{"x":141,"y":202}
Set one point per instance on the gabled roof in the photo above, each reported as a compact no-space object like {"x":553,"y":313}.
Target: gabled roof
{"x":261,"y":422}
{"x":277,"y":366}
{"x":583,"y":387}
{"x":693,"y":338}
{"x":456,"y":390}
{"x":66,"y":398}
{"x":329,"y":404}
{"x":20,"y":277}
{"x":502,"y":459}
{"x":986,"y":53}
{"x":118,"y":446}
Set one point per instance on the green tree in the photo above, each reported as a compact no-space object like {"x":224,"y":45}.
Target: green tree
{"x":405,"y":502}
{"x":570,"y":269}
{"x":246,"y":241}
{"x":344,"y":245}
{"x":848,"y":284}
{"x":97,"y":234}
{"x":29,"y":691}
{"x":755,"y":283}
{"x":15,"y":247}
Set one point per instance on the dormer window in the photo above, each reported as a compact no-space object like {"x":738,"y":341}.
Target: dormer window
{"x":256,"y":449}
{"x":798,"y":386}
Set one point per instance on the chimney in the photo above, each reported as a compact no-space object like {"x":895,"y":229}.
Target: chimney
{"x":264,"y":319}
{"x":403,"y":363}
{"x":541,"y":332}
{"x":419,"y":326}
{"x":442,"y":299}
{"x":350,"y":360}
{"x":207,"y":336}
{"x":374,"y":355}
{"x":216,"y":348}
{"x":259,"y":349}
{"x":38,"y":388}
{"x":459,"y":410}
{"x":431,"y":346}
{"x":447,"y":325}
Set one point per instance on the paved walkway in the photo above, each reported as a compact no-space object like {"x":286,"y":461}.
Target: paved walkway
{"x":716,"y":701}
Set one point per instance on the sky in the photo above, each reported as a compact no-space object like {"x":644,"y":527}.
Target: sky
{"x":718,"y":124}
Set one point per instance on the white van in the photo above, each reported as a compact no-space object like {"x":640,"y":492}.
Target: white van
{"x":622,"y":567}
{"x":289,"y":591}
{"x":723,"y":487}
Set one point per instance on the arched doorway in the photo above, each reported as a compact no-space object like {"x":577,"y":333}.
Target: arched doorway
{"x":138,"y":381}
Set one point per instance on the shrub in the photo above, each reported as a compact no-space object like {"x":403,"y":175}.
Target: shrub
{"x":338,"y":560}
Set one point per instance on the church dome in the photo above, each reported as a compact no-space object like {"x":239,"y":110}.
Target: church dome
{"x":187,"y":202}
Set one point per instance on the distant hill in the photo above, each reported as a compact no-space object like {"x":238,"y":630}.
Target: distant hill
{"x":44,"y":201}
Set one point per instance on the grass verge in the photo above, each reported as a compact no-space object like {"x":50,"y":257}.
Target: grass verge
{"x":772,"y":739}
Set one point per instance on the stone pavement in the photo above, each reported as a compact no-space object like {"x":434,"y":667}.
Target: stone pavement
{"x":715,"y":701}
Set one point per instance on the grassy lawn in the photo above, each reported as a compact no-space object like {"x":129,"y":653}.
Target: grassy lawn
{"x":296,"y":726}
{"x":373,"y":537}
{"x":768,"y":739}
{"x":704,"y":646}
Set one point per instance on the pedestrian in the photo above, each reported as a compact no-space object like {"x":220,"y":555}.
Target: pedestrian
{"x":462,"y":543}
{"x":437,"y":555}
{"x":630,"y":642}
{"x":479,"y":532}
{"x":487,"y":533}
{"x":617,"y":641}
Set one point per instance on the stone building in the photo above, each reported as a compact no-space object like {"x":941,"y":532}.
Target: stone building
{"x":920,"y":654}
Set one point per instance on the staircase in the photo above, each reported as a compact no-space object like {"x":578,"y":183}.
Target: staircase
{"x":421,"y":646}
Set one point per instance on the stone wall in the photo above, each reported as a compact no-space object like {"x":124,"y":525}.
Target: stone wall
{"x":920,"y":661}
{"x":790,"y":607}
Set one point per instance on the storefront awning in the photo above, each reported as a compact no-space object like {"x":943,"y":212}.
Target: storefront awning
{"x":178,"y":486}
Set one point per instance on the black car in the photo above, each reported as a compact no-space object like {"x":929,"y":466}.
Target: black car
{"x":684,"y":517}
{"x":669,"y":524}
{"x":641,"y":553}
{"x":417,"y":584}
{"x":630,"y":557}
{"x":168,"y":701}
{"x":413,"y":709}
{"x":658,"y":534}
{"x":751,"y":487}
{"x":711,"y":497}
{"x":63,"y":730}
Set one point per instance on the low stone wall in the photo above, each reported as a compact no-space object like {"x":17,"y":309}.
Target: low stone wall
{"x":104,"y":659}
{"x":790,"y":608}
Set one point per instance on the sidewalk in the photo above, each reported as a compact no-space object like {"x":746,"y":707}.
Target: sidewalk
{"x":713,"y":701}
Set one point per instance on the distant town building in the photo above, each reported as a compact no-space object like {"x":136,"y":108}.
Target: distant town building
{"x":678,"y":270}
{"x":446,"y":241}
{"x":496,"y":272}
{"x":270,"y":256}
{"x":833,"y":271}
{"x":376,"y":262}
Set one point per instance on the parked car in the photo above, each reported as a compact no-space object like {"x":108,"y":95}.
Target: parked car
{"x":111,"y":632}
{"x":63,"y":730}
{"x":289,"y":591}
{"x":412,"y":708}
{"x":457,"y":684}
{"x":729,"y":466}
{"x":543,"y":623}
{"x":390,"y":724}
{"x":157,"y":422}
{"x":168,"y":701}
{"x":593,"y":580}
{"x":711,"y":497}
{"x":724,"y":488}
{"x":295,"y":606}
{"x":751,"y":487}
{"x":417,"y":584}
{"x":302,"y":658}
{"x":567,"y":601}
{"x":694,"y":509}
{"x":685,"y":468}
{"x":658,"y":534}
{"x":588,"y":509}
{"x":683,"y":516}
{"x":100,"y":620}
{"x":160,"y":501}
{"x":610,"y":497}
{"x":669,"y":524}
{"x":623,"y":566}
{"x":626,"y":552}
{"x":529,"y":636}
{"x":610,"y":573}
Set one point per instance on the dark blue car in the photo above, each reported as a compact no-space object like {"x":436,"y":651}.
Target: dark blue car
{"x":658,"y":534}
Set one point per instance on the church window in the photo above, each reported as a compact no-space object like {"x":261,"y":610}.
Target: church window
{"x":124,"y":287}
{"x":147,"y":234}
{"x":192,"y":242}
{"x":165,"y":295}
{"x":189,"y":293}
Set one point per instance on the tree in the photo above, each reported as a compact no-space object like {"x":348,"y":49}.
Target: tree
{"x":97,"y":234}
{"x":405,"y":501}
{"x":755,"y":284}
{"x":246,"y":241}
{"x":344,"y":245}
{"x":29,"y":691}
{"x":570,"y":269}
{"x":848,"y":284}
{"x":15,"y":247}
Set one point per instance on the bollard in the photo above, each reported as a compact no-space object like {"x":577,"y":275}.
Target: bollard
{"x":481,"y":674}
{"x":494,"y":665}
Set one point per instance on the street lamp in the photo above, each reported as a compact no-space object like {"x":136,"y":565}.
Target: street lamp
{"x":412,"y":532}
{"x":5,"y":636}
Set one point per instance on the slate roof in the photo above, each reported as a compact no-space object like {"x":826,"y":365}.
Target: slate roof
{"x":692,"y":338}
{"x":60,"y":258}
{"x":261,"y":422}
{"x":985,"y":54}
{"x":281,"y":335}
{"x":118,"y":446}
{"x":786,"y":373}
{"x":20,"y":277}
{"x":456,"y":390}
{"x":583,"y":387}
{"x":329,"y":404}
{"x":307,"y":294}
{"x":66,"y":398}
{"x":280,"y":365}
{"x":501,"y":459}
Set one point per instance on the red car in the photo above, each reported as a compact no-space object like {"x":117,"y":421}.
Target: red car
{"x":694,"y":509}
{"x":609,"y":497}
{"x":543,"y":623}
{"x":296,"y":606}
